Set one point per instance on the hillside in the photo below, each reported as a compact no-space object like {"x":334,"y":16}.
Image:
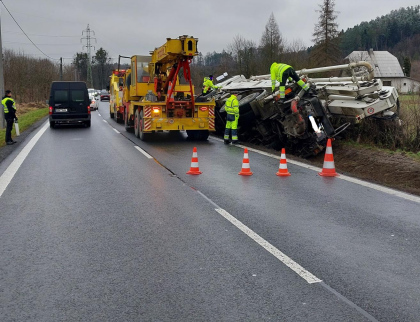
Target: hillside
{"x":397,"y":32}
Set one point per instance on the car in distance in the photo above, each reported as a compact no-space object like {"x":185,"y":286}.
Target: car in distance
{"x":104,"y":96}
{"x":94,"y":104}
{"x":69,"y":103}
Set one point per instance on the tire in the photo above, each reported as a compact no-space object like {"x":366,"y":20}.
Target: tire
{"x":87,"y":123}
{"x":136,"y":124}
{"x":203,"y":135}
{"x":244,"y":103}
{"x":127,"y":127}
{"x":52,"y":124}
{"x":192,"y":134}
{"x":142,"y":135}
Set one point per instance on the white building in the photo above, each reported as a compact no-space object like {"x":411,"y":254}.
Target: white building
{"x":388,"y":69}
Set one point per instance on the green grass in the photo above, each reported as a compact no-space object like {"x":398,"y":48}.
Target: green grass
{"x":25,"y":121}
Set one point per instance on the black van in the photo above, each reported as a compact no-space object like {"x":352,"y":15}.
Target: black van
{"x":69,"y":103}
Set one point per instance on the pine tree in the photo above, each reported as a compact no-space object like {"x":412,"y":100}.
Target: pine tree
{"x":326,"y":50}
{"x":271,"y":44}
{"x":407,"y":66}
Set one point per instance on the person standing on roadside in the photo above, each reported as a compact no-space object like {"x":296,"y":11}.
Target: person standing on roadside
{"x":232,"y":111}
{"x":9,"y":107}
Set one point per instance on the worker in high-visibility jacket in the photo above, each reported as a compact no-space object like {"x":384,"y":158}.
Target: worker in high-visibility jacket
{"x":232,"y":110}
{"x":208,"y":85}
{"x":281,"y":72}
{"x":9,"y":108}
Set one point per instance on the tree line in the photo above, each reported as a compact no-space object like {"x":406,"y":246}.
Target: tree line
{"x":398,"y":32}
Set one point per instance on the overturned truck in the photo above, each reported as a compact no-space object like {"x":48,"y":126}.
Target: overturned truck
{"x":306,"y":119}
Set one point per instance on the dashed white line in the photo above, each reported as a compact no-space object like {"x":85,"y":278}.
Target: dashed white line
{"x":116,"y":131}
{"x":286,"y":260}
{"x":143,"y":152}
{"x":105,"y":121}
{"x":10,"y":172}
{"x":99,"y":114}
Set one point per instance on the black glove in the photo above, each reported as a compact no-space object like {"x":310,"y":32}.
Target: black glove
{"x":16,"y":119}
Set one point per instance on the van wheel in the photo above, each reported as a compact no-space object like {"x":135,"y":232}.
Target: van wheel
{"x":87,"y":123}
{"x":52,"y":124}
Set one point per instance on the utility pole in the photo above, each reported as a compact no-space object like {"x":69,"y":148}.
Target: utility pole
{"x":1,"y":80}
{"x":88,"y":46}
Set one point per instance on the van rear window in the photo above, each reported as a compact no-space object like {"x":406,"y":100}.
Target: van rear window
{"x":77,"y":96}
{"x":61,"y":97}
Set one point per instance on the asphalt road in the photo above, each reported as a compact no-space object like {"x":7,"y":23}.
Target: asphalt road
{"x":97,"y":225}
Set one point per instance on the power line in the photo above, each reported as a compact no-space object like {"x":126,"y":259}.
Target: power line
{"x":25,"y":32}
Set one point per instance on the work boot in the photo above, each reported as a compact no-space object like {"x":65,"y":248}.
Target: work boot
{"x":235,"y":141}
{"x":10,"y":143}
{"x":226,"y":141}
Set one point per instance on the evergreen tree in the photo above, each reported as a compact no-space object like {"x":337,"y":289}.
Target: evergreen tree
{"x":326,"y":50}
{"x":407,"y":66}
{"x":271,"y":44}
{"x":81,"y":61}
{"x":102,"y":61}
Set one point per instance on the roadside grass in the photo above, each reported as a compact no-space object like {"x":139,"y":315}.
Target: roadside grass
{"x":366,"y":146}
{"x":27,"y":116}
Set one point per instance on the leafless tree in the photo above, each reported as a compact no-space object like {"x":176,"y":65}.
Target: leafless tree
{"x":244,"y":52}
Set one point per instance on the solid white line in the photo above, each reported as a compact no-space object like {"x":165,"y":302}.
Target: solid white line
{"x":105,"y":121}
{"x":116,"y":130}
{"x":286,"y":260}
{"x":374,"y":186}
{"x":144,"y":152}
{"x":10,"y":172}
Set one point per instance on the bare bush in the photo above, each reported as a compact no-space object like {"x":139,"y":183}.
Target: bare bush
{"x":399,"y":133}
{"x":28,"y":78}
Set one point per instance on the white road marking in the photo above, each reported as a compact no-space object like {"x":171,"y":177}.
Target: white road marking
{"x":99,"y":114}
{"x":374,"y":186}
{"x":105,"y":121}
{"x":144,"y":152}
{"x":116,"y":130}
{"x":286,"y":260}
{"x":11,"y":170}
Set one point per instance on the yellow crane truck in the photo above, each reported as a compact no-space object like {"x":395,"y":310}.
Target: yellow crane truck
{"x":116,"y":85}
{"x":159,"y":94}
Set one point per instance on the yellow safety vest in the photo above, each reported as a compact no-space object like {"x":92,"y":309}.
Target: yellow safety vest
{"x":3,"y":102}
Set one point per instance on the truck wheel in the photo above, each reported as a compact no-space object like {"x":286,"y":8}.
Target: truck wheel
{"x":203,"y":135}
{"x":136,"y":124}
{"x":142,"y":135}
{"x":111,"y":114}
{"x":128,"y":128}
{"x":52,"y":124}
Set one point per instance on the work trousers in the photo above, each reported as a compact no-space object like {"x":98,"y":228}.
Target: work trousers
{"x":290,"y":72}
{"x":9,"y":127}
{"x":232,"y":126}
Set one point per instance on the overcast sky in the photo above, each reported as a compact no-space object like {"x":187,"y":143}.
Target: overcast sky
{"x":134,"y":27}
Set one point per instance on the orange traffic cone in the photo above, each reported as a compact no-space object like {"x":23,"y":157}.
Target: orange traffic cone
{"x":194,"y":169}
{"x":283,"y":172}
{"x":246,"y":170}
{"x":329,"y":168}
